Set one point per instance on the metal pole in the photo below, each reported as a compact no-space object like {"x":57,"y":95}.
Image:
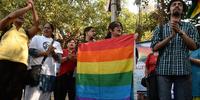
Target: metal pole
{"x":113,"y":10}
{"x":139,"y":19}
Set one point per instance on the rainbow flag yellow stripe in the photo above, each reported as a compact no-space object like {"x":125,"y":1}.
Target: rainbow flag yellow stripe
{"x":105,"y":67}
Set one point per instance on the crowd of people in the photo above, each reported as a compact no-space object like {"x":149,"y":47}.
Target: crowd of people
{"x":172,"y":61}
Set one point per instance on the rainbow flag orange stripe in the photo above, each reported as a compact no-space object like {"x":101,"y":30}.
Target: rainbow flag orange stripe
{"x":88,"y":56}
{"x":105,"y":69}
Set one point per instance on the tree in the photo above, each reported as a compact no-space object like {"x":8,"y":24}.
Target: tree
{"x":128,"y":20}
{"x":72,"y":16}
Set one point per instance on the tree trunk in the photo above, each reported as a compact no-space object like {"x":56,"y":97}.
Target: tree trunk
{"x":113,"y":10}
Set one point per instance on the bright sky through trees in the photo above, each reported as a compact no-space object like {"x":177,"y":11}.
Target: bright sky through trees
{"x":133,"y":7}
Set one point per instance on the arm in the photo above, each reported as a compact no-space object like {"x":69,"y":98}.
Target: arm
{"x":69,"y":57}
{"x":57,"y":57}
{"x":48,"y":52}
{"x":63,"y":59}
{"x":147,"y":65}
{"x":36,"y":53}
{"x":196,"y":61}
{"x":163,"y":43}
{"x":158,"y":42}
{"x":189,"y":42}
{"x":35,"y":28}
{"x":8,"y":19}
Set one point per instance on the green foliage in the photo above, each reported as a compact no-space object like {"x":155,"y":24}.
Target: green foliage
{"x":128,"y":20}
{"x":71,"y":15}
{"x":74,"y":15}
{"x":147,"y":36}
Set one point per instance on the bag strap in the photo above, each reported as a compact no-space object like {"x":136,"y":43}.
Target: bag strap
{"x":43,"y":60}
{"x":46,"y":56}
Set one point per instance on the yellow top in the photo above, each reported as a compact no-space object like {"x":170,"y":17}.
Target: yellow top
{"x":14,"y":46}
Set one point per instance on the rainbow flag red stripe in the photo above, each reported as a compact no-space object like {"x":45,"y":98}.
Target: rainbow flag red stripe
{"x":105,"y":69}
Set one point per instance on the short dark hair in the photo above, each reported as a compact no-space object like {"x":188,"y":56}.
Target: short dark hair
{"x":184,"y":5}
{"x":114,"y":24}
{"x":87,"y":29}
{"x":111,"y":26}
{"x":70,"y":39}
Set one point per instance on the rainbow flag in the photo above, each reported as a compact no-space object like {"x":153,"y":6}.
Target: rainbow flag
{"x":105,"y":69}
{"x":194,"y":9}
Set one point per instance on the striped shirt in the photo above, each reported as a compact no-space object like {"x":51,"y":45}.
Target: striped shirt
{"x":174,"y":57}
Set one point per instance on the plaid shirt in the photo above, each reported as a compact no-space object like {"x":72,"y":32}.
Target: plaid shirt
{"x":174,"y":57}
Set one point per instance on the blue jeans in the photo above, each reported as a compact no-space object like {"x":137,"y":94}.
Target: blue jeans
{"x":182,"y":87}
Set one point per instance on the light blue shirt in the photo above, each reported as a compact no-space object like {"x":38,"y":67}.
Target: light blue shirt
{"x":195,"y":74}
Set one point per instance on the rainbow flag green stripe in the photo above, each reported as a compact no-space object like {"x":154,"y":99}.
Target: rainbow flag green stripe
{"x":104,"y":80}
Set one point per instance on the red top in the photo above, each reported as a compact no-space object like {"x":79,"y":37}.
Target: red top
{"x":151,"y":62}
{"x":67,"y":66}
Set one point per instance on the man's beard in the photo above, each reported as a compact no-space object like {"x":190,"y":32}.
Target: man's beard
{"x":176,"y":14}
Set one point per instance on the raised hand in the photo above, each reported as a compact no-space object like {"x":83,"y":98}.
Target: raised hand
{"x":30,"y":1}
{"x":72,"y":55}
{"x":175,"y":27}
{"x":51,"y":48}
